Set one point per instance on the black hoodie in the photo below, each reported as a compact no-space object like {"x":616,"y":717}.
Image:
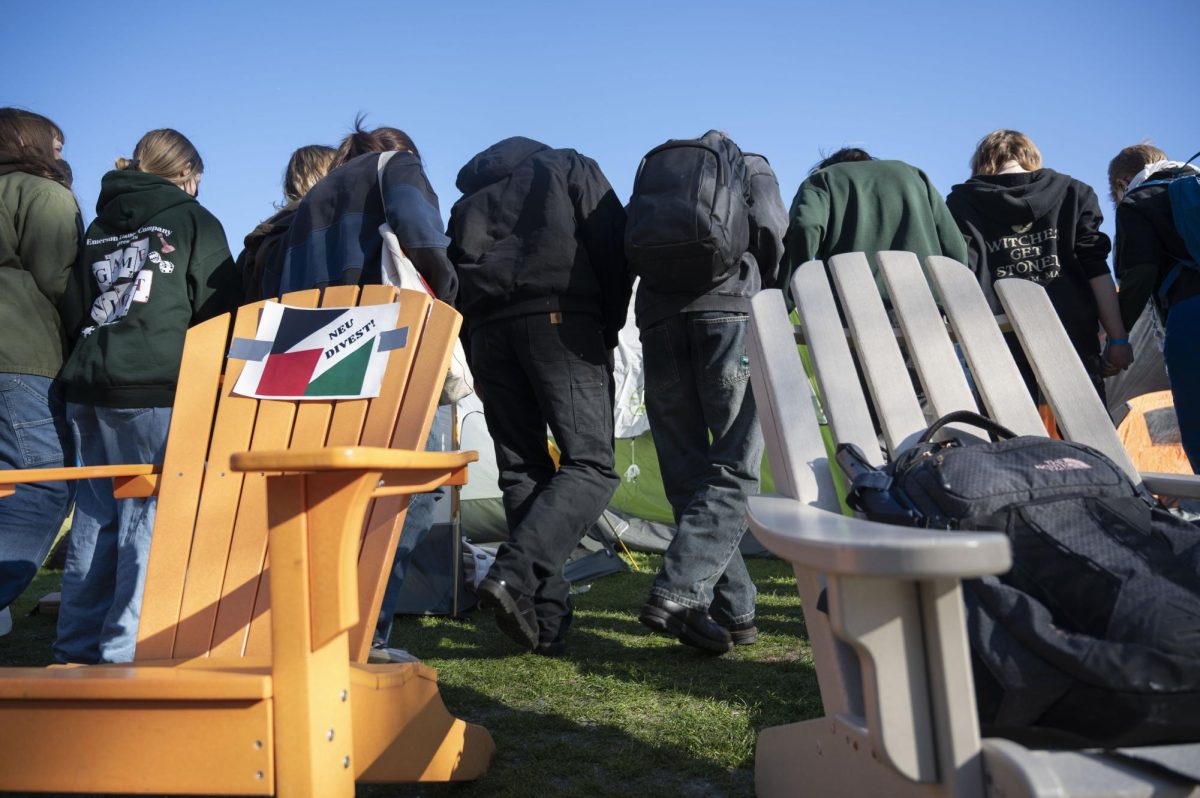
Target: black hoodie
{"x":538,"y":230}
{"x":1042,"y":226}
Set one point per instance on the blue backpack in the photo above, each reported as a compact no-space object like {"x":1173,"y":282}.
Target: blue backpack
{"x":1184,"y":192}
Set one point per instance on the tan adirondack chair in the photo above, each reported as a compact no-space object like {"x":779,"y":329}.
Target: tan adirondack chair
{"x":251,"y":678}
{"x":889,"y":641}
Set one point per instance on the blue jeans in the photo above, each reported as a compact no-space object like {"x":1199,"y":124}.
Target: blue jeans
{"x":110,"y":538}
{"x":33,"y":434}
{"x":1181,"y":351}
{"x":705,"y":428}
{"x":417,"y":524}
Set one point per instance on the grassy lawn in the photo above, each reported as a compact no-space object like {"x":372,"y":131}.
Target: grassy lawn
{"x":623,"y":713}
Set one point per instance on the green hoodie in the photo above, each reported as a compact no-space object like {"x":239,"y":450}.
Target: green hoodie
{"x":39,"y":241}
{"x":154,"y":263}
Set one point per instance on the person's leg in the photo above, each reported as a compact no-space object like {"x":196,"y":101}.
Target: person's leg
{"x":567,"y":366}
{"x":33,"y":434}
{"x":714,"y":522}
{"x":678,"y":604}
{"x":417,"y":524}
{"x":131,"y":435}
{"x":518,"y":433}
{"x":89,"y":575}
{"x":1182,"y":355}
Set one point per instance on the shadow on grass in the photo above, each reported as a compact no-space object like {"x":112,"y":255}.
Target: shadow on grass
{"x":625,"y":712}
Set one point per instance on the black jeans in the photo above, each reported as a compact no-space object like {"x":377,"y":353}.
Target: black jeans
{"x":532,"y":372}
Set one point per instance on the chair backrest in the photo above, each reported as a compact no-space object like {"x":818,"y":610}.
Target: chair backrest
{"x":207,"y":579}
{"x":930,"y":344}
{"x":891,"y":655}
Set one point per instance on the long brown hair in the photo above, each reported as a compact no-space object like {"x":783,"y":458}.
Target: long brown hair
{"x":166,"y":153}
{"x":381,"y":139}
{"x":27,"y":141}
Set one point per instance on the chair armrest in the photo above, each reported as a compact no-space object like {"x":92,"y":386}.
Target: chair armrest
{"x":833,"y":543}
{"x":123,"y":473}
{"x":403,"y":471}
{"x":1183,"y":486}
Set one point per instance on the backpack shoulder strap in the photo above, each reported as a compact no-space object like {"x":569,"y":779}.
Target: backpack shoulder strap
{"x":384,"y":157}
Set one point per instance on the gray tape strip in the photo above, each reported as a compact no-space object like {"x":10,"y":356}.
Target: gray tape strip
{"x":393,"y":339}
{"x":249,"y":349}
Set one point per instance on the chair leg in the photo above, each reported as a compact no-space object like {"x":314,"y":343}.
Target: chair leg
{"x":403,"y":732}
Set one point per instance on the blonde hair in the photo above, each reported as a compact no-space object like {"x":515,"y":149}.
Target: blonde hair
{"x":306,"y":166}
{"x":166,"y":153}
{"x":1127,"y":164}
{"x":1001,"y":146}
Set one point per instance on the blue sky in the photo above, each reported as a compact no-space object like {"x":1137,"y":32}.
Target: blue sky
{"x":919,"y":81}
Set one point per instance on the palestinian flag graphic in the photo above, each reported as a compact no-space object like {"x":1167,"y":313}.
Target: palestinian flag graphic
{"x":321,"y":353}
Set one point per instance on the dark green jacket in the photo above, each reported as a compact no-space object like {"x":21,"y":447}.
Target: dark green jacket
{"x":39,"y":240}
{"x":870,"y":206}
{"x":154,"y":263}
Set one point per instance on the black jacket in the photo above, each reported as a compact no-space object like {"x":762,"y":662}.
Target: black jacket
{"x":538,"y":230}
{"x":1041,"y":226}
{"x":759,"y":266}
{"x":1148,"y":248}
{"x":261,"y":258}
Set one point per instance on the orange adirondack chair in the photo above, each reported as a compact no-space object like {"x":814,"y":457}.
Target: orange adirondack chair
{"x":250,"y":676}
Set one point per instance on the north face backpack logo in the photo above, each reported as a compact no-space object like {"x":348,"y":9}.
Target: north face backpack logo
{"x":1063,"y":464}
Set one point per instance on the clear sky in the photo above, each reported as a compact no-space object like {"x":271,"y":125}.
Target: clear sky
{"x":920,"y":81}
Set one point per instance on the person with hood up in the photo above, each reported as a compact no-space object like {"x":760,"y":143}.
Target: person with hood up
{"x":536,"y":240}
{"x":1157,"y":258}
{"x":154,"y":263}
{"x":1026,"y":221}
{"x":40,"y":231}
{"x":262,"y":252}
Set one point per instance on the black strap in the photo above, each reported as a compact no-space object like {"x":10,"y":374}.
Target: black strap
{"x":967,"y":417}
{"x":1189,"y":160}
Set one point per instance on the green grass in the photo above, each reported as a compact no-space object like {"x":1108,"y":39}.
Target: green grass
{"x":623,"y":713}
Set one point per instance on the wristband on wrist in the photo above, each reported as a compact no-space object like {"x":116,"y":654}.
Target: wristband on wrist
{"x":1118,"y":342}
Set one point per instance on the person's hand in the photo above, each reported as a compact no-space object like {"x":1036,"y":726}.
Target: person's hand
{"x":1118,"y":356}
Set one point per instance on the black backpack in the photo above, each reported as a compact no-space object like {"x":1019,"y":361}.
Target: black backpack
{"x":1093,"y":636}
{"x":688,"y":219}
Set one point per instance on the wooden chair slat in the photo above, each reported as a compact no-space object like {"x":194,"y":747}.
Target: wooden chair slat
{"x":386,"y":517}
{"x":381,"y":417}
{"x":895,"y":401}
{"x":995,"y":374}
{"x":796,"y":446}
{"x":346,"y":426}
{"x":202,"y":590}
{"x":246,"y":571}
{"x":312,"y":418}
{"x":1065,"y":384}
{"x":179,"y":495}
{"x":926,"y":340}
{"x":841,"y":392}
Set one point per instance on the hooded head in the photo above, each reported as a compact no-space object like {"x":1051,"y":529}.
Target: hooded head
{"x":496,"y":163}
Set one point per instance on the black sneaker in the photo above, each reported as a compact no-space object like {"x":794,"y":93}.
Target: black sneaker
{"x":691,"y":627}
{"x":514,"y":620}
